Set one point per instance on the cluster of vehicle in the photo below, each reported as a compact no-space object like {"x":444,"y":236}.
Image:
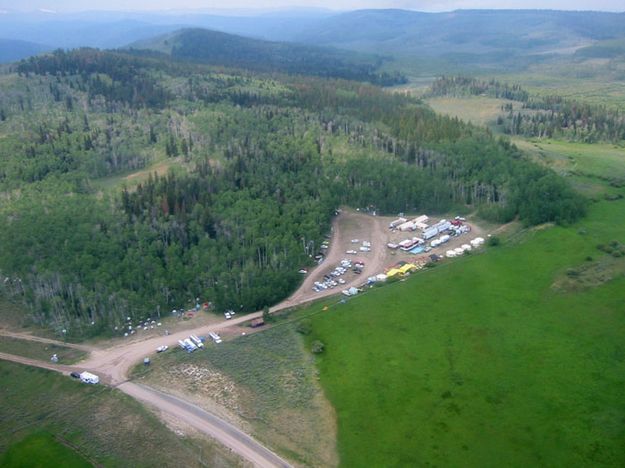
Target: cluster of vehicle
{"x":333,"y":279}
{"x":365,"y":247}
{"x":229,"y":314}
{"x":191,"y":344}
{"x":147,"y":325}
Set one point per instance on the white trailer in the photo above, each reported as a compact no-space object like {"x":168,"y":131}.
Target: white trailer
{"x":89,"y":378}
{"x":408,"y":226}
{"x":190,"y":345}
{"x":216,"y":338}
{"x":397,"y":222}
{"x":430,"y":233}
{"x":197,"y":341}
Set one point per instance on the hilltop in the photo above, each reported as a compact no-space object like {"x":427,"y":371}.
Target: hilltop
{"x":222,"y":49}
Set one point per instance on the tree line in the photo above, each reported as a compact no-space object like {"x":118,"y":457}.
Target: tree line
{"x":260,"y":182}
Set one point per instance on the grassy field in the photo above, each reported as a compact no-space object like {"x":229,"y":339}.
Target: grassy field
{"x":40,"y":409}
{"x":516,"y":354}
{"x":478,"y":110}
{"x":596,"y":160}
{"x":41,"y":351}
{"x":40,"y":450}
{"x":265,"y":383}
{"x":483,"y":359}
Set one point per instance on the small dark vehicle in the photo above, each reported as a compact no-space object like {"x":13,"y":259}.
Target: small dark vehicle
{"x":75,"y":375}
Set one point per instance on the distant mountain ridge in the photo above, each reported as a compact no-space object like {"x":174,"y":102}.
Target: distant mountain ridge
{"x":229,"y":50}
{"x":495,"y":38}
{"x":466,"y":31}
{"x":12,"y":50}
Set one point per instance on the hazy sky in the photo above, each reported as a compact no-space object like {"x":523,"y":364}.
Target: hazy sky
{"x":424,"y":5}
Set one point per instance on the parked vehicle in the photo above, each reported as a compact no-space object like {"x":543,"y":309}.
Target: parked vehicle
{"x":89,"y":378}
{"x":162,"y":348}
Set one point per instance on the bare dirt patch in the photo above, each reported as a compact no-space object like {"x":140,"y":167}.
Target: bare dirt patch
{"x":350,"y":226}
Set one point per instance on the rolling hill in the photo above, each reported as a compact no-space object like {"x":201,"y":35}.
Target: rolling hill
{"x":13,"y":50}
{"x":482,"y":36}
{"x":222,"y":49}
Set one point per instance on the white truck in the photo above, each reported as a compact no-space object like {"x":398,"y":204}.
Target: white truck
{"x":89,"y":378}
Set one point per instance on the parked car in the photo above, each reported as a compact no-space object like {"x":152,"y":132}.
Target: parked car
{"x":75,"y":375}
{"x":162,"y":348}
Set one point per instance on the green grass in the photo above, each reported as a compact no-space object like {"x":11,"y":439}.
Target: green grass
{"x":588,"y":81}
{"x":597,"y":160}
{"x":41,"y":450}
{"x":41,"y":351}
{"x":102,"y":424}
{"x":478,"y":110}
{"x":482,"y":360}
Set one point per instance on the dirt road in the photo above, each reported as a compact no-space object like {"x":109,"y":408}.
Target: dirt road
{"x":35,"y":363}
{"x":220,"y":430}
{"x":39,"y":339}
{"x":206,"y":422}
{"x":112,"y":364}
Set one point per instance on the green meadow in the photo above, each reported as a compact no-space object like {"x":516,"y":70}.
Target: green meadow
{"x":515,"y":354}
{"x":41,"y":450}
{"x":484,"y":359}
{"x":51,"y":420}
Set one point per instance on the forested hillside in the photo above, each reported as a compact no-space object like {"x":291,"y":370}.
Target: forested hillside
{"x":217,"y":48}
{"x":259,"y":164}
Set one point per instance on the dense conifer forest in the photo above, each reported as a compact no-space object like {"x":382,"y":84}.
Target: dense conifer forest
{"x":258,"y":166}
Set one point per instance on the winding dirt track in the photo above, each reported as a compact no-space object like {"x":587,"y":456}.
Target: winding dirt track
{"x":113,"y":364}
